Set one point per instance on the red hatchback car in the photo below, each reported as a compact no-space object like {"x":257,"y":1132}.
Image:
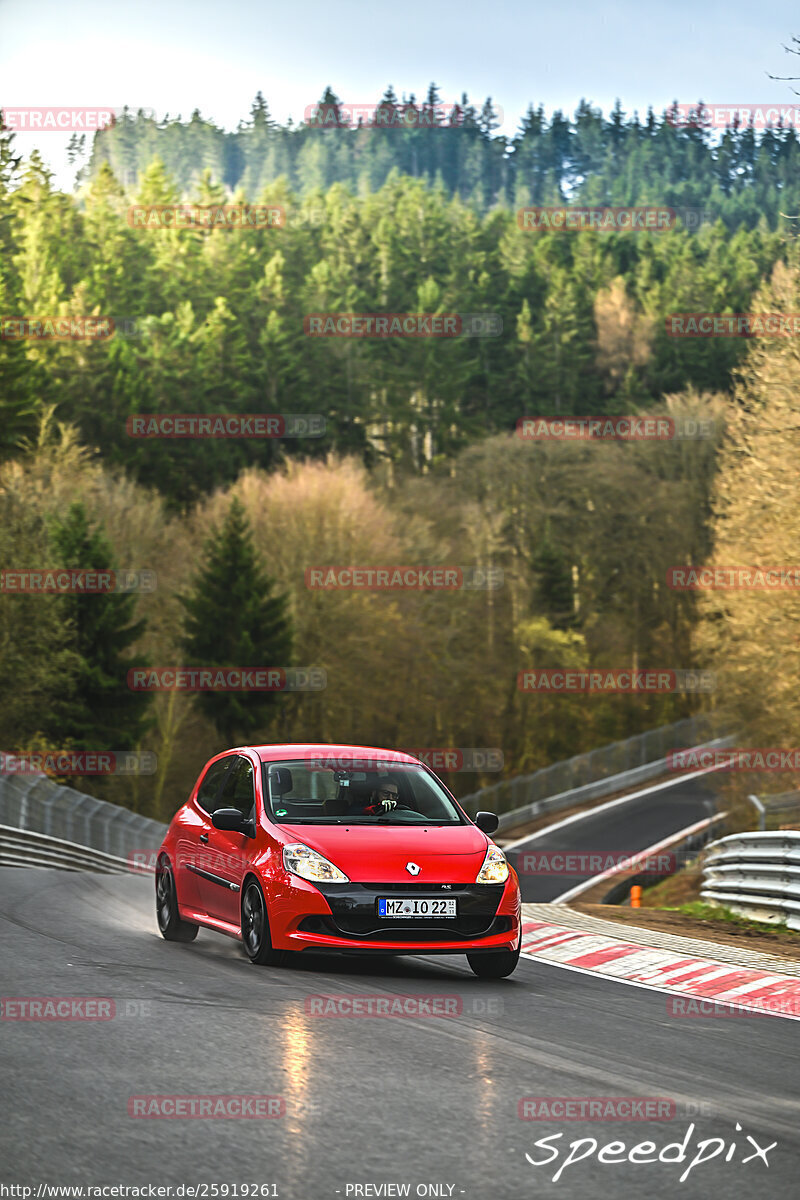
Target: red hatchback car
{"x":336,"y":848}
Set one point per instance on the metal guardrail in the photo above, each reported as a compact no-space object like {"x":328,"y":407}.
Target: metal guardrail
{"x":756,"y":874}
{"x":593,"y":791}
{"x":607,"y":763}
{"x":774,"y":808}
{"x":38,"y":805}
{"x":22,"y":848}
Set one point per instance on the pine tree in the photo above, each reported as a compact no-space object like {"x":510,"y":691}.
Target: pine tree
{"x":234,"y":619}
{"x":98,"y":711}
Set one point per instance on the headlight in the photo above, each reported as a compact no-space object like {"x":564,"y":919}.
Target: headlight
{"x":495,"y":866}
{"x":303,"y":861}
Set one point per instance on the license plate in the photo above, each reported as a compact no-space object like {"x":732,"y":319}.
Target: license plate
{"x":418,"y":906}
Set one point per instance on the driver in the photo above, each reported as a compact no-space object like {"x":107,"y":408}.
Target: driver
{"x":382,"y":799}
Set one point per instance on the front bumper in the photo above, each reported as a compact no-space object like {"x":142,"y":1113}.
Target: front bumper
{"x":344,"y":917}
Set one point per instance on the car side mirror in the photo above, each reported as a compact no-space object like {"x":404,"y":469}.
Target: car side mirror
{"x":487,"y":821}
{"x":231,"y":819}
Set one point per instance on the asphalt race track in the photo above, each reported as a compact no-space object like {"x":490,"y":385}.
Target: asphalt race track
{"x":624,"y":829}
{"x":412,"y":1101}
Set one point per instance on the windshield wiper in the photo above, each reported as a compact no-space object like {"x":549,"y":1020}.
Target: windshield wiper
{"x":388,"y":820}
{"x":310,"y":820}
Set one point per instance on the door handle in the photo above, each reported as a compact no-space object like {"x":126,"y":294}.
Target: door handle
{"x":203,"y":837}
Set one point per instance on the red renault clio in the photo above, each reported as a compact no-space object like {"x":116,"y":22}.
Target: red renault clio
{"x":336,"y":848}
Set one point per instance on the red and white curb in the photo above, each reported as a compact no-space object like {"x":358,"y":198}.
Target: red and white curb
{"x":707,"y":981}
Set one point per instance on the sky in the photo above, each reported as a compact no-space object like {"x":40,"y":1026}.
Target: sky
{"x":172,"y":56}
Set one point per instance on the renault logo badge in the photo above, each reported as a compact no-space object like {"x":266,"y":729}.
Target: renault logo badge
{"x":412,"y":868}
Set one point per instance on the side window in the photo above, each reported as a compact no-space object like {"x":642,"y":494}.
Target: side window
{"x":239,"y":789}
{"x":209,"y":787}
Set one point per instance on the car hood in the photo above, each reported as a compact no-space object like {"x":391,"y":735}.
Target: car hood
{"x":379,"y":853}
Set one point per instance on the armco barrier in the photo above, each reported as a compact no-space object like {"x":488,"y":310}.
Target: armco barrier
{"x":581,"y":795}
{"x":35,"y":804}
{"x":755,"y":874}
{"x":595,"y":773}
{"x":22,"y":848}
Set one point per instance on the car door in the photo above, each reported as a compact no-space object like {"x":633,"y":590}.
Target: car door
{"x":229,"y":853}
{"x":194,"y":821}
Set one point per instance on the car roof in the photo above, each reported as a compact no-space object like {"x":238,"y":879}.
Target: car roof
{"x":323,"y":750}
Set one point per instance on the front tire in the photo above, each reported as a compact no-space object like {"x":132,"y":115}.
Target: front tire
{"x":255,"y":929}
{"x":497,"y":964}
{"x":172,"y":928}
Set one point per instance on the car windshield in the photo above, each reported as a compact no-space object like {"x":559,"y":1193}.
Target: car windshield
{"x":355,"y":791}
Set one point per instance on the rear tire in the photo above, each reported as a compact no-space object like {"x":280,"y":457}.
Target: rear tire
{"x":172,"y":928}
{"x":497,"y":964}
{"x":255,"y":929}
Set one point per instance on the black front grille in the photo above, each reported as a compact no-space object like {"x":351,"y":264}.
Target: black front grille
{"x":354,"y":909}
{"x":326,"y":925}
